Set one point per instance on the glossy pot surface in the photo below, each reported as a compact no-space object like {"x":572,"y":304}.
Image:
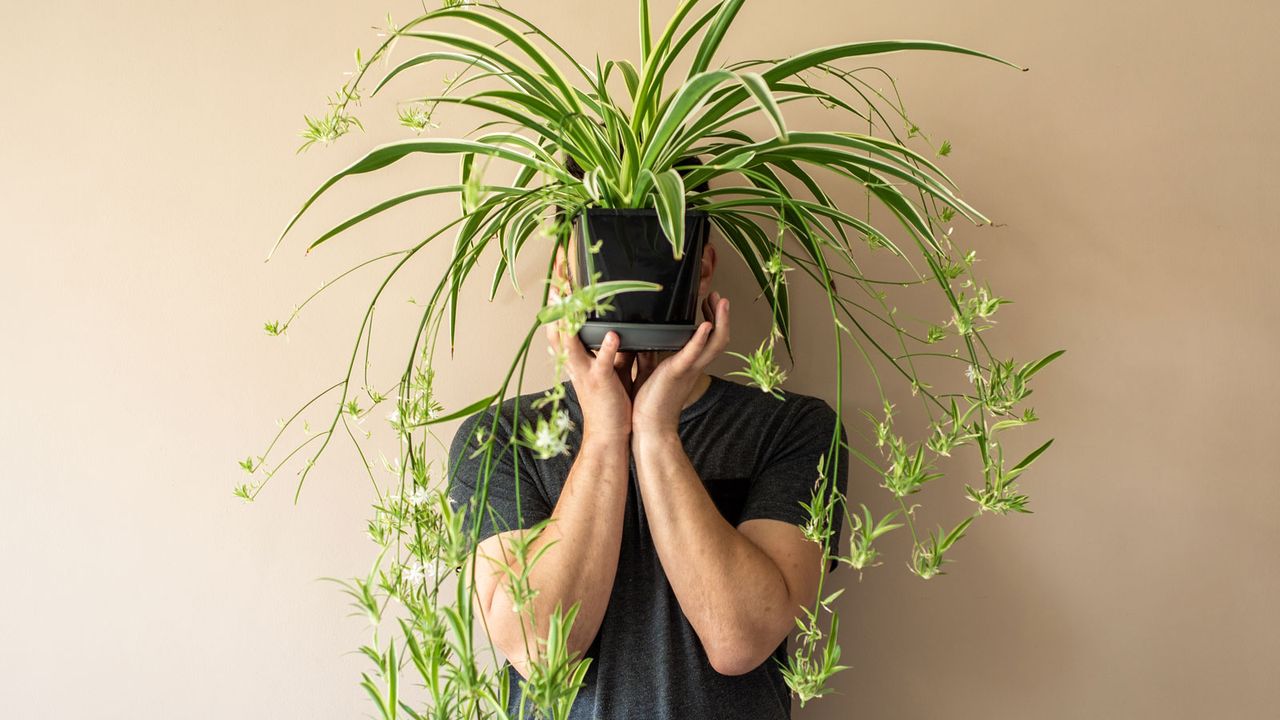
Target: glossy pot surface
{"x":630,"y":245}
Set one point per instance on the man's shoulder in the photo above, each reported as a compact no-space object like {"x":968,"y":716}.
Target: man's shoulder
{"x":524,"y":407}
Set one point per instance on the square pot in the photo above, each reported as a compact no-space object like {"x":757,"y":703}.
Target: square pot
{"x":630,"y":245}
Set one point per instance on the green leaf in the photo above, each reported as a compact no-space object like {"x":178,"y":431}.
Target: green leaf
{"x":431,"y":57}
{"x":646,"y":35}
{"x":385,"y":155}
{"x":798,"y":64}
{"x":687,"y":100}
{"x":845,"y":150}
{"x":1032,"y":369}
{"x":954,"y":535}
{"x":752,"y":245}
{"x":467,"y":411}
{"x":806,"y":60}
{"x":1030,"y":458}
{"x":508,"y":106}
{"x":380,"y":207}
{"x":372,"y":689}
{"x":669,"y":197}
{"x":757,"y":86}
{"x":535,"y":31}
{"x":593,"y":183}
{"x":600,"y":290}
{"x":393,"y":675}
{"x":509,"y":34}
{"x":715,"y":35}
{"x":738,"y":160}
{"x":1005,"y":424}
{"x":648,"y":103}
{"x":510,"y":69}
{"x":629,"y":76}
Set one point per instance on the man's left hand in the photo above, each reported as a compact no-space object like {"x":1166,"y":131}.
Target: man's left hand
{"x":661,"y":388}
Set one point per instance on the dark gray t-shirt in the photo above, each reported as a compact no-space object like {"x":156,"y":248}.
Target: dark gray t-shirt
{"x":758,"y":458}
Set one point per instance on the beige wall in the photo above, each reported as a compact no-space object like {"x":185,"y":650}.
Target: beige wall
{"x":146,"y":160}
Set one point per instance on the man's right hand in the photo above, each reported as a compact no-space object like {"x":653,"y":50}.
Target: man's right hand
{"x":602,"y":384}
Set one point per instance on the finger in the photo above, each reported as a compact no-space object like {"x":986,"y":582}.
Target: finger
{"x":645,"y":363}
{"x":719,"y":336}
{"x":624,"y":359}
{"x":575,"y":352}
{"x":607,"y":353}
{"x":709,"y":306}
{"x":623,"y":363}
{"x":692,"y":350}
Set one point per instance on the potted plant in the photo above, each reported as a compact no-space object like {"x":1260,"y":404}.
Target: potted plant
{"x":647,"y":159}
{"x":635,"y":244}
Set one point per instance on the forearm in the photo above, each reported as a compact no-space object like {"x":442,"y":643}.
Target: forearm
{"x":733,"y":594}
{"x":582,"y":543}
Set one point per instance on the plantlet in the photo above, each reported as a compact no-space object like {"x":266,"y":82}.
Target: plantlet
{"x":863,"y":532}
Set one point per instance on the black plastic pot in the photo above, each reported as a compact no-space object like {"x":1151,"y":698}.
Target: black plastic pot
{"x":630,"y":245}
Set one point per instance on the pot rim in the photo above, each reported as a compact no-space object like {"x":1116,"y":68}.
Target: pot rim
{"x":635,"y":211}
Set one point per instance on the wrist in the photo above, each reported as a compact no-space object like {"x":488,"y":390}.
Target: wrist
{"x":605,"y":439}
{"x":655,"y":435}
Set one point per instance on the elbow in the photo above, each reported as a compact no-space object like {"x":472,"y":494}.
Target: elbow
{"x":519,"y":663}
{"x":509,"y":635}
{"x":509,"y":642}
{"x":506,"y":634}
{"x":747,"y":645}
{"x":514,"y":650}
{"x":733,"y":666}
{"x":735,"y":658}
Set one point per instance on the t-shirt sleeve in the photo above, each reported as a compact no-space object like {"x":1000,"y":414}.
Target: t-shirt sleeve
{"x":789,"y":473}
{"x":512,"y":499}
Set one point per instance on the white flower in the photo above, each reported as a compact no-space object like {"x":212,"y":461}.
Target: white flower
{"x":547,"y":442}
{"x":971,"y":373}
{"x":416,"y":575}
{"x":419,"y":497}
{"x":562,"y":422}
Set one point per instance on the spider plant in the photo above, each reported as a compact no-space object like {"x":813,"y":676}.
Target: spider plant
{"x":632,"y":128}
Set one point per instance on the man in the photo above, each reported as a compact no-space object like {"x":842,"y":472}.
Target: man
{"x":675,"y":525}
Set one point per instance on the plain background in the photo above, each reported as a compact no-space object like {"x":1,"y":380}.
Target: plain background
{"x":147,"y":162}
